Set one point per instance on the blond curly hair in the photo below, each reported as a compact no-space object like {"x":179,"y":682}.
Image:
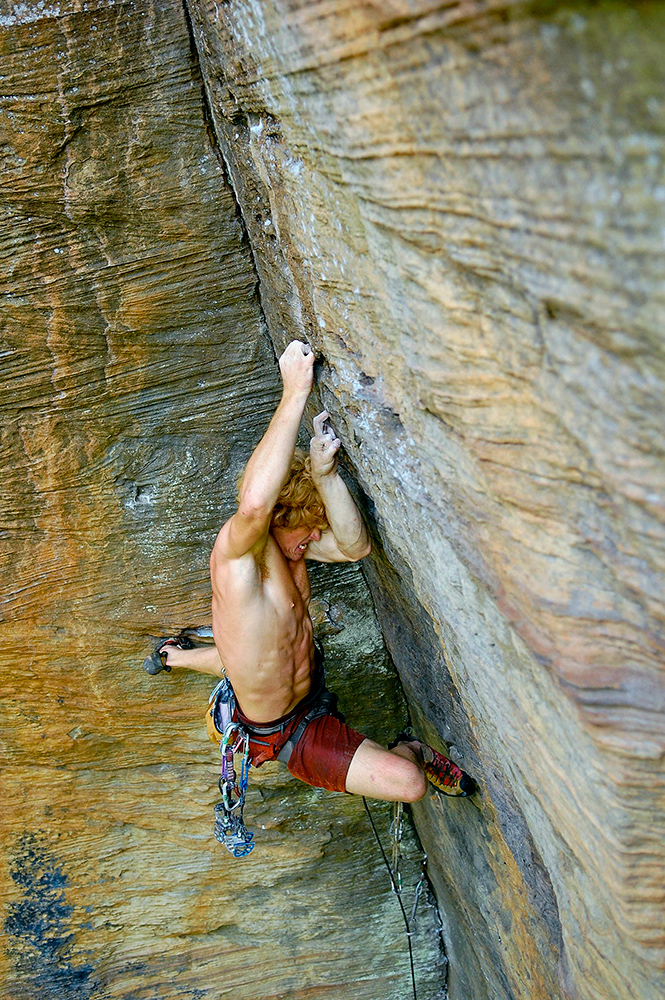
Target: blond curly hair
{"x":299,"y":504}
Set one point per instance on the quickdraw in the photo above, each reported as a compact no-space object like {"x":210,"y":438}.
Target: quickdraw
{"x":230,"y":828}
{"x":420,"y":889}
{"x":396,"y":832}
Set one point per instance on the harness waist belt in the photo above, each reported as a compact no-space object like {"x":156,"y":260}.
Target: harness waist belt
{"x":325,"y":705}
{"x":319,"y":701}
{"x":280,"y":724}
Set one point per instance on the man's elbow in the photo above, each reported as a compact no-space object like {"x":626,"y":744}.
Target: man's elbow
{"x":359,"y":551}
{"x":253,"y":508}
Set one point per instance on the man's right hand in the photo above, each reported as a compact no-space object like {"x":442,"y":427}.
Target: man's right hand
{"x":297,"y":367}
{"x":323,"y":447}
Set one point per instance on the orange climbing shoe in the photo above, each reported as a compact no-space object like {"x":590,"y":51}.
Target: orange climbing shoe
{"x":446,"y":776}
{"x":440,"y":770}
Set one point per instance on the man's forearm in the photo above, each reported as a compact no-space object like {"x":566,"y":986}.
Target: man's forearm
{"x":267,"y":469}
{"x":344,"y":517}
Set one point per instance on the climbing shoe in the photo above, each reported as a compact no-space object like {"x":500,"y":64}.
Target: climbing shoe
{"x":440,"y":770}
{"x":156,"y":662}
{"x":446,"y":776}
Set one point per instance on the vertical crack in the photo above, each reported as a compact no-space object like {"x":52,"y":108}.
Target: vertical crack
{"x":208,"y":118}
{"x":209,"y":123}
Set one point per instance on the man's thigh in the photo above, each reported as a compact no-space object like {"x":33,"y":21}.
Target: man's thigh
{"x":381,"y":774}
{"x":324,"y":752}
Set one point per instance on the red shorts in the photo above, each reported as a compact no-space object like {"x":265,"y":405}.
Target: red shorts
{"x":322,"y":755}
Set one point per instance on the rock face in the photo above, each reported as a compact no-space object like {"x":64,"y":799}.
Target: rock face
{"x":461,"y":205}
{"x":137,"y":375}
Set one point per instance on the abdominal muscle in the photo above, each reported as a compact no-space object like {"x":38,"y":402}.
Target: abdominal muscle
{"x":263,"y":633}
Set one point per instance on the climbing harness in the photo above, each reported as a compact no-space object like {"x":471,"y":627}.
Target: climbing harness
{"x":230,"y":828}
{"x":233,"y":735}
{"x":325,"y":703}
{"x":396,"y":831}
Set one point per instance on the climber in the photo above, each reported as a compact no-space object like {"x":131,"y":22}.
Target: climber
{"x":291,"y":508}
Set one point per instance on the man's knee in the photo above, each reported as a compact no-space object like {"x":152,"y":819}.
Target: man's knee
{"x":415,"y":788}
{"x":414,"y":781}
{"x":382,"y":774}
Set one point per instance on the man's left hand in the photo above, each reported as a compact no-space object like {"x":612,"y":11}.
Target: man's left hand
{"x":323,"y":447}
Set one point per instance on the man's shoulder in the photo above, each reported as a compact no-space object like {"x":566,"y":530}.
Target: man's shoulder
{"x":223,"y":547}
{"x":253,"y":565}
{"x":225,"y":555}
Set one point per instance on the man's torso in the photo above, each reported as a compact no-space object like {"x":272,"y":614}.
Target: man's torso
{"x":263,"y":630}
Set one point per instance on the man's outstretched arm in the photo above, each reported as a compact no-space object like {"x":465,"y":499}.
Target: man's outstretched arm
{"x":347,"y":540}
{"x":268,"y":468}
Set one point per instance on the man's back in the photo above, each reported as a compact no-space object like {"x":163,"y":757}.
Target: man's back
{"x":262,"y":627}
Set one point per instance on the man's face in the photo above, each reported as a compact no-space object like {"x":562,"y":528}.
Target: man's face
{"x":294,"y":541}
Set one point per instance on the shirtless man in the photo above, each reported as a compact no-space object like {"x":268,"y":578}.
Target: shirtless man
{"x":261,"y":624}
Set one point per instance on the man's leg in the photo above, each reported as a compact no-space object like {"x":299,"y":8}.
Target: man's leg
{"x":375,"y":772}
{"x":203,"y":659}
{"x":330,"y":754}
{"x":390,"y":775}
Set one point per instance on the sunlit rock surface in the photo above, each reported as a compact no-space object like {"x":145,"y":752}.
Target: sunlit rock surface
{"x":461,"y":204}
{"x":136,"y":375}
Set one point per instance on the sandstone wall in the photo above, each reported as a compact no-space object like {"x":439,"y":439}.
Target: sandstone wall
{"x":136,"y":377}
{"x":461,"y":204}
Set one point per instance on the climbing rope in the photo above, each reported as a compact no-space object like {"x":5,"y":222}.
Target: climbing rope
{"x":230,"y":828}
{"x":395,"y":879}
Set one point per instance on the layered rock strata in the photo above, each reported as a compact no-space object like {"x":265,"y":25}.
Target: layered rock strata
{"x":461,"y":205}
{"x":136,"y":377}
